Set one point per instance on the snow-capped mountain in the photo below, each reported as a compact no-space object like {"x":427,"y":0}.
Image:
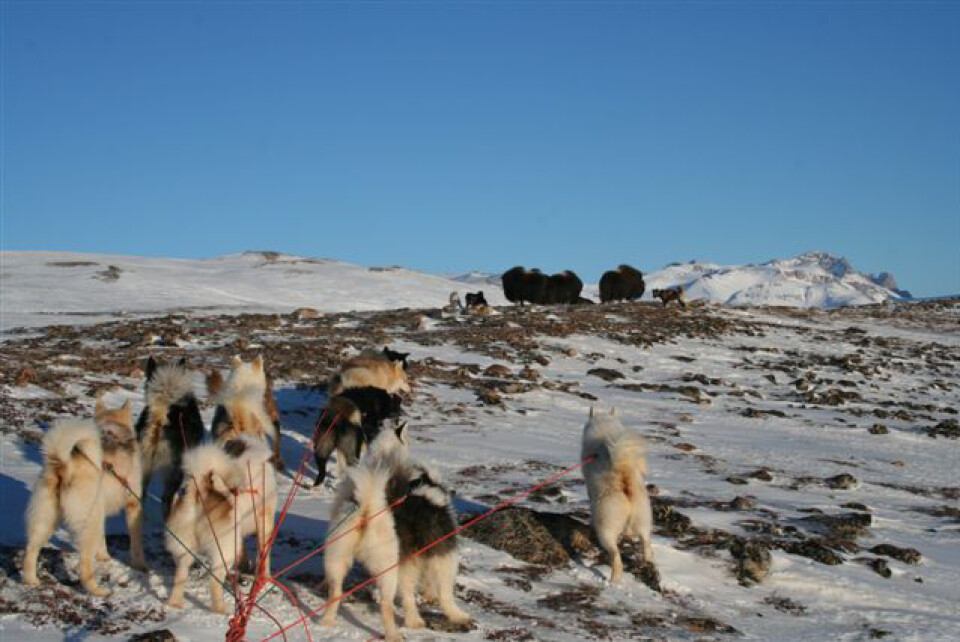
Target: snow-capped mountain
{"x":813,"y":279}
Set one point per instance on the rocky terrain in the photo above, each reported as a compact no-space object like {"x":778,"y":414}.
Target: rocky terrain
{"x":803,"y":466}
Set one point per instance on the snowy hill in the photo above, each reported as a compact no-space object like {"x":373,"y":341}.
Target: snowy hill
{"x":40,"y":288}
{"x":811,"y":280}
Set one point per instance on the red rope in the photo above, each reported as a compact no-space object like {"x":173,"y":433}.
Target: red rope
{"x":435,"y":542}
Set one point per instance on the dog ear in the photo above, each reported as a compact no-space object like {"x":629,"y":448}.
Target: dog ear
{"x":100,"y":407}
{"x":258,"y":363}
{"x":401,"y":432}
{"x":126,"y":411}
{"x":150,"y":368}
{"x":215,"y":483}
{"x":236,"y":361}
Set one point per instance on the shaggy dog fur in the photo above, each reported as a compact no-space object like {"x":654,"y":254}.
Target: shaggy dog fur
{"x":352,"y":418}
{"x":670,"y":294}
{"x":619,"y":504}
{"x":383,"y":355}
{"x":75,"y":488}
{"x":533,"y":286}
{"x":475,"y":299}
{"x":340,"y":429}
{"x":243,"y":408}
{"x":623,"y":284}
{"x":385,"y":475}
{"x":169,"y":425}
{"x":358,"y":373}
{"x":227,"y":494}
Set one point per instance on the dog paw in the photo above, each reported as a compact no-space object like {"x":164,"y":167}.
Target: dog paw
{"x":103,"y":556}
{"x":329,"y":622}
{"x":414,"y":622}
{"x":139,"y":565}
{"x":98,"y":591}
{"x":31,"y":581}
{"x":175,"y":603}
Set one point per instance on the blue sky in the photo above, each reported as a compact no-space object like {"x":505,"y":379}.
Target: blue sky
{"x":479,"y":135}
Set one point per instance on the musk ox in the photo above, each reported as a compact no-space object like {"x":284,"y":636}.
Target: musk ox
{"x":533,"y":286}
{"x":623,"y":284}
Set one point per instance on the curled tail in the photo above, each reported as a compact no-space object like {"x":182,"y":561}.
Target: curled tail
{"x":70,"y":443}
{"x":629,"y":462}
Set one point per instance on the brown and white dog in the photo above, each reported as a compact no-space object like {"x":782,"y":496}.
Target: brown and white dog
{"x":228,"y":492}
{"x":360,"y":372}
{"x":670,"y":294}
{"x":245,"y":405}
{"x":75,"y":487}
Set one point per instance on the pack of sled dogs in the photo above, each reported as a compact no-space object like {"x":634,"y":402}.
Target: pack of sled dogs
{"x":391,"y":512}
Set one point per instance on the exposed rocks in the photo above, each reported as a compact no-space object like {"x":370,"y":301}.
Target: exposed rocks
{"x":159,"y":635}
{"x":305,"y":313}
{"x":905,"y":555}
{"x":497,"y":370}
{"x":949,"y":428}
{"x":878,"y":429}
{"x":843,"y":481}
{"x":753,"y":560}
{"x":607,"y":374}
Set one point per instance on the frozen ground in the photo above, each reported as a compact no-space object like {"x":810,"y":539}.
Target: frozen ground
{"x":750,"y":414}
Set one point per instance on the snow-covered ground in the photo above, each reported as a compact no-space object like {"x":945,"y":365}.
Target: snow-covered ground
{"x":765,"y":406}
{"x":43,"y":288}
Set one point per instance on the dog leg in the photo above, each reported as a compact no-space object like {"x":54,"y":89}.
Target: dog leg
{"x":103,"y":555}
{"x":388,"y":593}
{"x":90,"y":541}
{"x":335,"y":570}
{"x":134,"y":513}
{"x":179,"y":582}
{"x":269,"y":512}
{"x":445,"y":572}
{"x":217,"y":577}
{"x":409,"y":574}
{"x":644,"y":519}
{"x":42,"y":514}
{"x":321,"y":470}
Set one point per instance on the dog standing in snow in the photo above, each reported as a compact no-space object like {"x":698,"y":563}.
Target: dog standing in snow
{"x":228,"y":492}
{"x":75,"y":488}
{"x":391,"y":537}
{"x":379,"y":373}
{"x":619,"y":504}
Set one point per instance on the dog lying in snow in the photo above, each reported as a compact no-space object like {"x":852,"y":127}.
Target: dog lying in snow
{"x":228,"y":492}
{"x":75,"y":487}
{"x":619,"y":504}
{"x":360,"y":372}
{"x":385,"y":475}
{"x":245,"y":405}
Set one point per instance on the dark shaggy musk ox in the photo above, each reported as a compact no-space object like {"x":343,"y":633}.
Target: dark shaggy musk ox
{"x":670,"y":294}
{"x":623,"y":284}
{"x":169,"y":425}
{"x":533,"y":286}
{"x":475,"y":300}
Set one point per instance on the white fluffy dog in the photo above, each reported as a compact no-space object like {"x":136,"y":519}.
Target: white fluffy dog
{"x":75,"y":488}
{"x":619,"y":504}
{"x":228,"y":492}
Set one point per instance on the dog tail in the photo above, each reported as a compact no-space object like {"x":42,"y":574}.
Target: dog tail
{"x":629,"y":462}
{"x":71,"y":442}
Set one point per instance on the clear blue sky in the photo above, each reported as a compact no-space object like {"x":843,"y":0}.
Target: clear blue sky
{"x":448,"y":136}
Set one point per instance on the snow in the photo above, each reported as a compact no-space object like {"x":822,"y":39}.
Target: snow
{"x":843,"y":602}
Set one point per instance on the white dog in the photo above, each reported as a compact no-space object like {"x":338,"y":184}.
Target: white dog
{"x":75,"y":488}
{"x":227,"y":493}
{"x":619,"y":504}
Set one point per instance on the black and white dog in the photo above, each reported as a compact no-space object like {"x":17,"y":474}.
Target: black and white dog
{"x":352,"y":418}
{"x":425,"y":515}
{"x":169,"y":425}
{"x":475,"y":300}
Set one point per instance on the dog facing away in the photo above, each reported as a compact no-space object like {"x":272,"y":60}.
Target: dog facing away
{"x":384,"y":476}
{"x":169,"y":424}
{"x":382,"y":355}
{"x":228,"y":492}
{"x":358,"y":373}
{"x":375,"y":406}
{"x":242,"y":405}
{"x":619,"y":504}
{"x":75,"y":488}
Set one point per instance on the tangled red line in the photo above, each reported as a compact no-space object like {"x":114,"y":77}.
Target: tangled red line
{"x":475,"y":520}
